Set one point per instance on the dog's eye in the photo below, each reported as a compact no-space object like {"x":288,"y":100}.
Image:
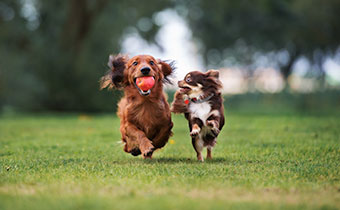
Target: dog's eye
{"x":188,"y":79}
{"x":151,"y":63}
{"x":135,"y":63}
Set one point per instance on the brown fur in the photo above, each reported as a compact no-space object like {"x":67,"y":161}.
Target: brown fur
{"x":199,"y":88}
{"x":145,"y":121}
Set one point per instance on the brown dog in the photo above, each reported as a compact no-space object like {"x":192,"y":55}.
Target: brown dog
{"x":199,"y":98}
{"x":145,"y":118}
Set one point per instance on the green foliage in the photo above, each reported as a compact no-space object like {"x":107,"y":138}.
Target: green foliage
{"x":51,"y":57}
{"x":56,"y":65}
{"x":285,"y":102}
{"x":275,"y":161}
{"x":239,"y":29}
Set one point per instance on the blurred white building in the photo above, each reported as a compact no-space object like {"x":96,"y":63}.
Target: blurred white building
{"x":302,"y":84}
{"x":234,"y":81}
{"x":268,"y":80}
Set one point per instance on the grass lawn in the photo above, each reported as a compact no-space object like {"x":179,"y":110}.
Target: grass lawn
{"x":261,"y":161}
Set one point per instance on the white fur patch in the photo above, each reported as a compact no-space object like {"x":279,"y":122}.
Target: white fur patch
{"x":196,"y":91}
{"x":200,"y":110}
{"x":215,"y":113}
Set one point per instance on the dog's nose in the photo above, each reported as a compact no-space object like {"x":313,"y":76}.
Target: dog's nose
{"x":145,"y":70}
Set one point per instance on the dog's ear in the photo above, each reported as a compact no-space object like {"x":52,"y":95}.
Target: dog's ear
{"x":213,"y":73}
{"x":212,"y":79}
{"x":167,"y":69}
{"x":178,"y":105}
{"x":115,"y":76}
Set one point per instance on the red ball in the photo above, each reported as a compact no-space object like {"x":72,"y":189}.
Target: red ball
{"x":145,"y":83}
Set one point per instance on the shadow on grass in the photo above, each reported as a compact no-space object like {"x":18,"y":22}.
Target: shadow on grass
{"x":171,"y":160}
{"x":217,"y":160}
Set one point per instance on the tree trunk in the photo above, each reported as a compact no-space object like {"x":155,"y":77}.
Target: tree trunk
{"x":319,"y":60}
{"x":288,"y":68}
{"x":79,"y":23}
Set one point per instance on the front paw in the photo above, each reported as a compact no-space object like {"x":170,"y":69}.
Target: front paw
{"x":214,"y":127}
{"x":211,"y":123}
{"x":135,"y":152}
{"x":215,"y":131}
{"x":194,"y":133}
{"x":147,"y":149}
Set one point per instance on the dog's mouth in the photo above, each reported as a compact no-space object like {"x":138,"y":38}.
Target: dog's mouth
{"x":144,"y":84}
{"x":184,"y":89}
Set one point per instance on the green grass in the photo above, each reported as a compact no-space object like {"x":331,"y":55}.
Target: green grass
{"x":261,"y":161}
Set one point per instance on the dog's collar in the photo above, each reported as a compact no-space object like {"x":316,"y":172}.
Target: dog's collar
{"x":198,"y":100}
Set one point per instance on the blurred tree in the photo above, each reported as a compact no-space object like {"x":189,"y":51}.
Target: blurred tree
{"x":241,"y":28}
{"x":54,"y":52}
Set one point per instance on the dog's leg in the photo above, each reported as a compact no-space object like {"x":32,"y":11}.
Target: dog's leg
{"x":195,"y":130}
{"x":197,"y":143}
{"x":178,"y":105}
{"x":130,"y":145}
{"x":213,"y":122}
{"x":209,"y":152}
{"x":163,"y":135}
{"x":138,"y":138}
{"x":196,"y":126}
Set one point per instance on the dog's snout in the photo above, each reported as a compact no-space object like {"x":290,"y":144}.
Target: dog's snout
{"x":145,"y":70}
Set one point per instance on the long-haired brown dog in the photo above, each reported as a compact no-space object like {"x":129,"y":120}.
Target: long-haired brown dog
{"x":199,"y":98}
{"x":145,"y":118}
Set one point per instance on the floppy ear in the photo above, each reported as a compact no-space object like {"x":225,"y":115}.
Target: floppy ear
{"x":166,"y":68}
{"x":213,"y":73}
{"x":115,"y":76}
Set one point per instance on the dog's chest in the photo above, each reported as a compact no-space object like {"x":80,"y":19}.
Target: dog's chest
{"x":200,"y":110}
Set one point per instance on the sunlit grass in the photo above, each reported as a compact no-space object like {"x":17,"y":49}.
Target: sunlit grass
{"x":260,"y":162}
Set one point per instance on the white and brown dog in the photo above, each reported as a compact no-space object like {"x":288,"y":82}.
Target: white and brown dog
{"x":200,"y":99}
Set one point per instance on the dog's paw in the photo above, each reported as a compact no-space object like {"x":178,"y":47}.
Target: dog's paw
{"x":211,"y":123}
{"x":135,"y":152}
{"x":147,"y":149}
{"x":194,"y":133}
{"x":214,"y":127}
{"x":215,"y":131}
{"x":200,"y":158}
{"x":148,"y":154}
